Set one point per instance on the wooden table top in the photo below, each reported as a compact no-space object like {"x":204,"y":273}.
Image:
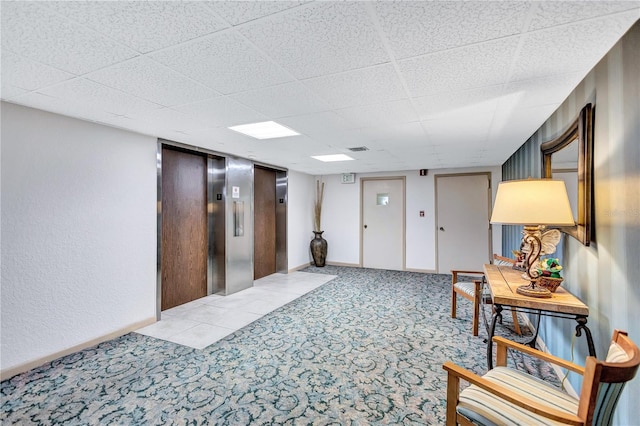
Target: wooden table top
{"x":504,"y":280}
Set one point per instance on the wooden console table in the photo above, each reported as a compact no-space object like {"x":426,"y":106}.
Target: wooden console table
{"x":503,"y":281}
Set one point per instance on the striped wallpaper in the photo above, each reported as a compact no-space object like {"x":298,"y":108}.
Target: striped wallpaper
{"x":605,"y":275}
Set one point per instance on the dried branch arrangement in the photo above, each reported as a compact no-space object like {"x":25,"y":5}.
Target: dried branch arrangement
{"x":317,"y":212}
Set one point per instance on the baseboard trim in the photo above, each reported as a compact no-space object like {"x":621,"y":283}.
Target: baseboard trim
{"x":350,"y":265}
{"x":422,"y":271}
{"x":566,"y":385}
{"x":298,"y":268}
{"x":10,"y":372}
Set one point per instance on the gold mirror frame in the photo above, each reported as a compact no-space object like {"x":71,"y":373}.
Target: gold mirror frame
{"x":581,"y":130}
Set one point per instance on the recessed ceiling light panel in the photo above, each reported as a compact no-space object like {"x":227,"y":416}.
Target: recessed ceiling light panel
{"x":264,"y":130}
{"x":333,"y":157}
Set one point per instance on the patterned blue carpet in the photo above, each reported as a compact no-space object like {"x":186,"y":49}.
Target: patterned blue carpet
{"x":365,"y":348}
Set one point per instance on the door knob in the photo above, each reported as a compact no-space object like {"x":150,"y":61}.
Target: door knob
{"x":442,"y":229}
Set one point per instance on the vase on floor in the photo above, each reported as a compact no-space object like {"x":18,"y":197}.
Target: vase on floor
{"x":318,"y":249}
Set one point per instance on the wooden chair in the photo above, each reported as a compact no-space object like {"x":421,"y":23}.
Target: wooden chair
{"x":471,"y":290}
{"x":507,"y":396}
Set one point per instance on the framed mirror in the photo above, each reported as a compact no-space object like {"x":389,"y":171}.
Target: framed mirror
{"x":569,"y":157}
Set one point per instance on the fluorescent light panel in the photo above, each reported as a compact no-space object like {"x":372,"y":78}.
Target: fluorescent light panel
{"x":334,"y":157}
{"x":264,"y":130}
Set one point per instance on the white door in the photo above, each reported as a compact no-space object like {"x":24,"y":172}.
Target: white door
{"x":462,"y":222}
{"x":383,"y":224}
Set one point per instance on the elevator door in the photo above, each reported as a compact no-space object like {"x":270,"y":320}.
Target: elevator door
{"x":184,"y":228}
{"x":264,"y":225}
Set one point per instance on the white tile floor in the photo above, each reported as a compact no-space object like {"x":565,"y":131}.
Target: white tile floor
{"x":203,"y":322}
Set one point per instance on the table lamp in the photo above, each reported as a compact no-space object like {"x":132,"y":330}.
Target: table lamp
{"x":536,"y":204}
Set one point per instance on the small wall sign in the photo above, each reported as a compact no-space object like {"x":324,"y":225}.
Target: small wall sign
{"x":235,"y":192}
{"x":348,"y":178}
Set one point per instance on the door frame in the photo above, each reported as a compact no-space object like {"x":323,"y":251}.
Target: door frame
{"x":489,"y":204}
{"x":404,"y":215}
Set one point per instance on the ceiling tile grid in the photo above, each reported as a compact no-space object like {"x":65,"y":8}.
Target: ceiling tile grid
{"x":468,"y":67}
{"x":434,"y":105}
{"x":284,"y":100}
{"x":421,"y":84}
{"x":417,"y":28}
{"x":32,"y":30}
{"x":225,"y":62}
{"x":221,"y":112}
{"x":547,"y":14}
{"x":359,"y":87}
{"x":27,"y":75}
{"x":379,"y":115}
{"x":239,"y":12}
{"x":152,"y":81}
{"x":321,"y":38}
{"x":143,"y":25}
{"x":567,"y":48}
{"x":79,"y":92}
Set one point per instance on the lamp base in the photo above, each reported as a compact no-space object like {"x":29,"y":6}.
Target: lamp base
{"x":532,"y":290}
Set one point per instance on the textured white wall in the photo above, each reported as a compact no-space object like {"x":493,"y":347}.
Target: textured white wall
{"x":341,"y":216}
{"x":300,"y":197}
{"x":78,"y":232}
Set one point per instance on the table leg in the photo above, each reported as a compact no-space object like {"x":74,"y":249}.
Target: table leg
{"x":496,"y":315}
{"x":532,"y":342}
{"x":582,"y":325}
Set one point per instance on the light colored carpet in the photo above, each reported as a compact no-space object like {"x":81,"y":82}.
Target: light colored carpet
{"x":365,"y":348}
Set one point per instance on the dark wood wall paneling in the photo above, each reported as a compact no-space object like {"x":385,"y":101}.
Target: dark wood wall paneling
{"x":184,"y":227}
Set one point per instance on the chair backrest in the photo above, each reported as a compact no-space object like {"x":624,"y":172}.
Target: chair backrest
{"x":604,"y":380}
{"x":502,"y":261}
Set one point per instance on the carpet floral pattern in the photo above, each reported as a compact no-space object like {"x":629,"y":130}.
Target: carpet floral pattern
{"x":365,"y":348}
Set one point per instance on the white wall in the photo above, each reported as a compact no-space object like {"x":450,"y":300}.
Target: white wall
{"x":341,"y":216}
{"x":78,"y":233}
{"x":300,"y":198}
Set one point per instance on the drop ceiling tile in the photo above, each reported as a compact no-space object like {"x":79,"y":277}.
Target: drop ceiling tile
{"x":221,"y":112}
{"x":359,"y":87}
{"x":152,"y":81}
{"x":317,"y":125}
{"x":543,"y":91}
{"x":8,"y":92}
{"x":144,"y":26}
{"x":322,"y":38}
{"x":168,"y":118}
{"x":224,"y":62}
{"x":552,"y":13}
{"x":28,"y":75}
{"x":469,"y":67}
{"x":416,"y":28}
{"x":575,"y":47}
{"x":398,"y":136}
{"x":439,"y":103}
{"x":62,"y":106}
{"x":283,"y":100}
{"x":463,"y":129}
{"x":85,"y":94}
{"x":382,"y":114}
{"x":518,"y":124}
{"x":32,"y":30}
{"x":244,"y":11}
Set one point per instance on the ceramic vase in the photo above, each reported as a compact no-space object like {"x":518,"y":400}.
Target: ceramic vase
{"x":318,"y":249}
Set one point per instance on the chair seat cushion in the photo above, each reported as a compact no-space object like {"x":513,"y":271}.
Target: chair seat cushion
{"x":483,"y":408}
{"x":466,"y":287}
{"x":470,"y":289}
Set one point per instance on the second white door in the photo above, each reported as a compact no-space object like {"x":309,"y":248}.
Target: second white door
{"x":383,"y":210}
{"x":463,"y":222}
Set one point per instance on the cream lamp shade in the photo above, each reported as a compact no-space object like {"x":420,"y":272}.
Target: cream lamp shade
{"x":532,"y":202}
